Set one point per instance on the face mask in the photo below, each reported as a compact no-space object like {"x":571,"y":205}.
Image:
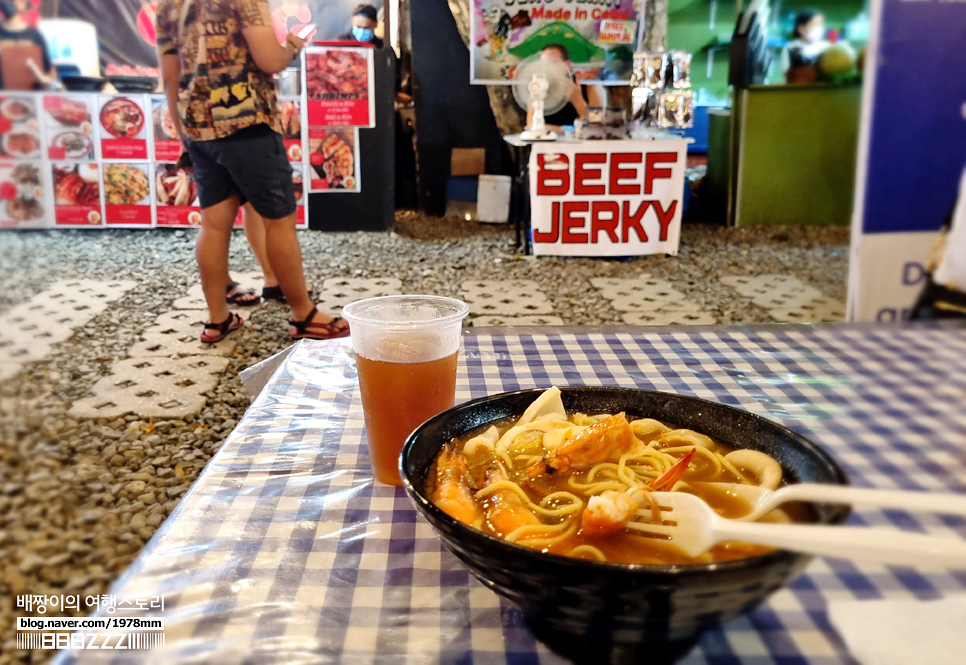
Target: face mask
{"x":363,"y":34}
{"x":9,"y":9}
{"x":815,"y":34}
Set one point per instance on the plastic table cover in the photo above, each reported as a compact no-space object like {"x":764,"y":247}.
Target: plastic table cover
{"x":285,"y":550}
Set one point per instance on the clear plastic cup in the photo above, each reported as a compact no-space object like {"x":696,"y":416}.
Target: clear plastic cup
{"x":406,"y":349}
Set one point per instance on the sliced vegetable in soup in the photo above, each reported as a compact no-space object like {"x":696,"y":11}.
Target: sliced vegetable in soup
{"x":570,"y":484}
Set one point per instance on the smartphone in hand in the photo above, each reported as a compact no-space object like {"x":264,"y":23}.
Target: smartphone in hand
{"x":306,"y":31}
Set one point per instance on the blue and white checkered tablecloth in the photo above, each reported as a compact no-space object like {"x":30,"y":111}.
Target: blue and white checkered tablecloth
{"x":286,"y":551}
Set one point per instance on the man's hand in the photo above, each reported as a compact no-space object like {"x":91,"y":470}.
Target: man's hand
{"x":270,"y":56}
{"x":295,"y":42}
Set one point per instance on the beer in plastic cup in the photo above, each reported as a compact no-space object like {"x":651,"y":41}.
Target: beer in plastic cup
{"x":406,"y":349}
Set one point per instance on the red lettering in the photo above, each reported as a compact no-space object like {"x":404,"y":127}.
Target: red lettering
{"x":569,"y":222}
{"x":607,"y":224}
{"x":554,"y":232}
{"x":664,"y":217}
{"x":617,"y":173}
{"x":544,"y":13}
{"x":582,"y":174}
{"x":652,"y":173}
{"x":555,"y":181}
{"x":634,"y":221}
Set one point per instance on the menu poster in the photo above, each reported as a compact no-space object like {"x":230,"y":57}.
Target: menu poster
{"x":290,"y":116}
{"x":77,"y":194}
{"x":167,"y":146}
{"x":338,"y":85}
{"x":127,"y":195}
{"x":177,"y":196}
{"x":298,"y":180}
{"x":70,"y":128}
{"x":122,"y":126}
{"x":19,"y":127}
{"x":22,"y":201}
{"x":334,"y":160}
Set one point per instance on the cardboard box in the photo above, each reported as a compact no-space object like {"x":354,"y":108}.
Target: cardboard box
{"x":467,"y":161}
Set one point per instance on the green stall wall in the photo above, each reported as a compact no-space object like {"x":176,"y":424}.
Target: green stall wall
{"x":690,"y":29}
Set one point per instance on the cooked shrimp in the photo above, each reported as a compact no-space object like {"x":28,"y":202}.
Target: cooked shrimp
{"x":505,"y":510}
{"x":588,"y":447}
{"x":452,"y":493}
{"x":610,"y":511}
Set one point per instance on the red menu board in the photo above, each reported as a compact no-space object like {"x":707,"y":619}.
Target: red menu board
{"x":338,"y":84}
{"x":167,"y":146}
{"x":22,"y":203}
{"x":123,"y":127}
{"x":298,"y":180}
{"x":290,"y":118}
{"x":70,"y":129}
{"x":177,"y":196}
{"x":19,"y":127}
{"x":334,"y":159}
{"x":127,"y":194}
{"x":77,"y":194}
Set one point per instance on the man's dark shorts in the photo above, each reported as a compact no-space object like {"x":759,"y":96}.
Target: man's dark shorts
{"x":250,"y":163}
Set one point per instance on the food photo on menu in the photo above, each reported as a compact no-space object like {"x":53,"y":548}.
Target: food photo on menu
{"x":164,"y":128}
{"x":22,"y":194}
{"x":298,"y":184}
{"x":122,"y":118}
{"x":19,"y":129}
{"x":69,"y":113}
{"x":76,"y":184}
{"x":126,"y":185}
{"x":175,"y":187}
{"x":333,"y":160}
{"x":71,"y":145}
{"x":336,"y":73}
{"x":290,"y":118}
{"x":77,"y":193}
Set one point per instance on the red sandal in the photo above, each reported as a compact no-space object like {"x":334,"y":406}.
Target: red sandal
{"x":233,"y":322}
{"x":308,"y":329}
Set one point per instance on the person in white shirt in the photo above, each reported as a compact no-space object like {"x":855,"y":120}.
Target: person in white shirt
{"x":800,"y":55}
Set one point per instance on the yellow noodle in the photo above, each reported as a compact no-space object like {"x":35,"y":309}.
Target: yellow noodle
{"x":715,"y":458}
{"x":475,"y":444}
{"x":543,"y":537}
{"x":588,"y":549}
{"x":574,"y":506}
{"x":504,"y":457}
{"x":526,"y":460}
{"x":595,"y":488}
{"x":742,"y":478}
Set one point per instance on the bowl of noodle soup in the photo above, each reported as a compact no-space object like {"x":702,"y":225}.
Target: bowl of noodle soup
{"x":627,"y":607}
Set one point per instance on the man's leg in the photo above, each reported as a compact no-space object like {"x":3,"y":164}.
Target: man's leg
{"x":282,"y":246}
{"x":211,"y":250}
{"x":255,"y":232}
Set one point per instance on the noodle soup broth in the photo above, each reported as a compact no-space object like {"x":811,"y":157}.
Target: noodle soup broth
{"x":498,"y":479}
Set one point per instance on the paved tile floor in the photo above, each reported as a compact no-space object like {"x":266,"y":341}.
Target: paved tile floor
{"x":168,"y":371}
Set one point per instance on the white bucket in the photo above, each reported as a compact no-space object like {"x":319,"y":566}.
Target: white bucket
{"x":493,"y":199}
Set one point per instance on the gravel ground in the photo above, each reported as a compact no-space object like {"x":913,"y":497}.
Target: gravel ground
{"x":79,"y":498}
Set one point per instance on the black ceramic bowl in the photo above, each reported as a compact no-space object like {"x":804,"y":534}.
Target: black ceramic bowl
{"x":133,"y":83}
{"x":82,"y":83}
{"x":603,"y":612}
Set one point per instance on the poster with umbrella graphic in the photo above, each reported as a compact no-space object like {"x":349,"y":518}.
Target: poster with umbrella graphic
{"x":598,"y":36}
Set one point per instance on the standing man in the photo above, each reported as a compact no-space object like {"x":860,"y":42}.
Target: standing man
{"x":217,"y":60}
{"x":364,"y":23}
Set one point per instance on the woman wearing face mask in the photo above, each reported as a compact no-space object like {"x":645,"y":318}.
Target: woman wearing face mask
{"x":364,"y":22}
{"x":800,"y":55}
{"x":16,"y":33}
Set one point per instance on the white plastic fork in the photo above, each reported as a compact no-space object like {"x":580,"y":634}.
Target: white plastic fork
{"x":696,"y":528}
{"x":763,"y":500}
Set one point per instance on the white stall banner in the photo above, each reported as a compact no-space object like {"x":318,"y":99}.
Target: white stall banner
{"x":889,"y":271}
{"x":607,"y":198}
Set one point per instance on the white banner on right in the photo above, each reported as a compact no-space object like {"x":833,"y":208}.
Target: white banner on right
{"x":912,"y":151}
